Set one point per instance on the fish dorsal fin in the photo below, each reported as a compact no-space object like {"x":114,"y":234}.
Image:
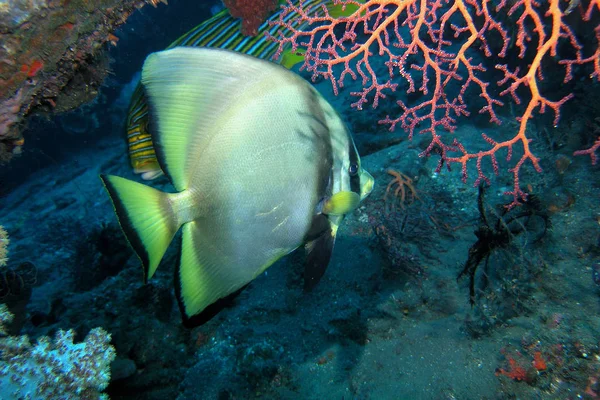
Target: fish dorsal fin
{"x":189,"y":91}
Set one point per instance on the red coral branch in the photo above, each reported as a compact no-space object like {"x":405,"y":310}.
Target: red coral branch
{"x":515,"y":371}
{"x":436,"y":48}
{"x":591,"y":151}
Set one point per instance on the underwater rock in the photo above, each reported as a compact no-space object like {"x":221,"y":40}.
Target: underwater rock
{"x":15,"y":13}
{"x":99,"y":255}
{"x":260,"y":360}
{"x":122,"y":368}
{"x":46,"y":46}
{"x":16,"y":284}
{"x":596,"y":273}
{"x":155,"y":300}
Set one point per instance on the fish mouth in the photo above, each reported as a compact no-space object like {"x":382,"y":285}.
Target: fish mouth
{"x":367,"y":183}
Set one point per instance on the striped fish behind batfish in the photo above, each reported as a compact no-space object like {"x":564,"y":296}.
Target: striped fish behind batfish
{"x":261,"y":164}
{"x":220,"y":31}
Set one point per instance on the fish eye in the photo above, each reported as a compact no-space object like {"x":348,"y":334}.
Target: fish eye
{"x":353,"y":170}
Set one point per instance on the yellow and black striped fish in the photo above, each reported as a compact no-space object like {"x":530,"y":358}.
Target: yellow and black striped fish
{"x":220,"y":31}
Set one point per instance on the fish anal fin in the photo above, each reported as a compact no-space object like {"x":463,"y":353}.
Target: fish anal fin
{"x":205,"y":283}
{"x":210,"y":311}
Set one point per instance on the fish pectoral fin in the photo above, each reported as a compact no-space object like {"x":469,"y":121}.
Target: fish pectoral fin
{"x":341,"y":203}
{"x":318,"y":255}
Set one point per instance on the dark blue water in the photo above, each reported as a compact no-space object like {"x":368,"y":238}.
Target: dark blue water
{"x":393,"y":317}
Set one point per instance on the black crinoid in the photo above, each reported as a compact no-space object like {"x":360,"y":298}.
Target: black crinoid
{"x":499,"y":230}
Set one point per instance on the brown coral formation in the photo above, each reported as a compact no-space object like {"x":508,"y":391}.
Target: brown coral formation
{"x":51,"y":57}
{"x":3,"y":247}
{"x":252,"y":13}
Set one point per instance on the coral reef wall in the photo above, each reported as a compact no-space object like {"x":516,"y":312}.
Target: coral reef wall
{"x":52,"y":58}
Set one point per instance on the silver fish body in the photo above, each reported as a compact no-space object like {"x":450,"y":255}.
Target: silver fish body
{"x":261,"y":164}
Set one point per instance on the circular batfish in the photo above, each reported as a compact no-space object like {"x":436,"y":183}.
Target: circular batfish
{"x":261,"y":164}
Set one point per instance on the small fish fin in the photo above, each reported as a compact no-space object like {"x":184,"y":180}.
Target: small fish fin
{"x":146,"y":218}
{"x":341,"y":11}
{"x":205,"y":285}
{"x":151,"y":175}
{"x":190,"y":91}
{"x":318,"y":254}
{"x":341,"y":203}
{"x":290,"y":58}
{"x":148,"y":171}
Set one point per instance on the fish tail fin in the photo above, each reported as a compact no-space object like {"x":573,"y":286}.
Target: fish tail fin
{"x":146,"y":217}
